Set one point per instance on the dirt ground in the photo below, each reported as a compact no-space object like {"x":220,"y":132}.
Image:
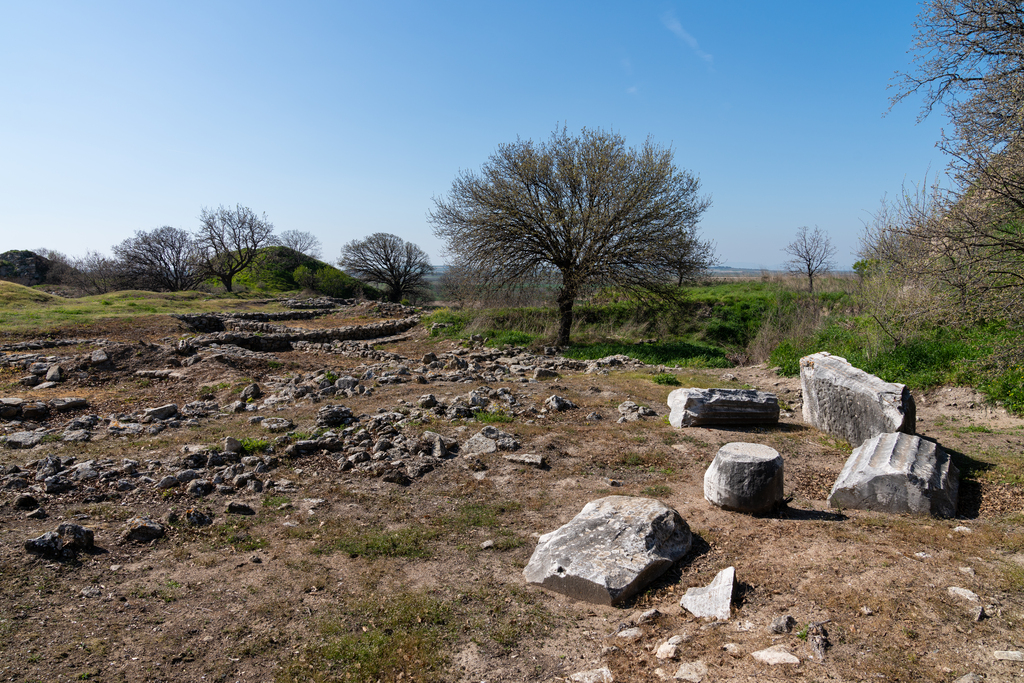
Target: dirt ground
{"x":281,"y":595}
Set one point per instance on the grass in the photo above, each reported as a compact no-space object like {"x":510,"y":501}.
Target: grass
{"x":380,"y":637}
{"x":680,"y":354}
{"x":251,"y":446}
{"x":413,"y":541}
{"x":489,"y":417}
{"x":666,"y":379}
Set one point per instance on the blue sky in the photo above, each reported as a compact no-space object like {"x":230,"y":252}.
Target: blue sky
{"x":344,"y":118}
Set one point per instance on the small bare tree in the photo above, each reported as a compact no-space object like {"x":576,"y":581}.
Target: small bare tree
{"x":400,"y":266}
{"x":229,"y":240}
{"x":301,"y":241}
{"x":812,"y":254}
{"x":164,"y":259}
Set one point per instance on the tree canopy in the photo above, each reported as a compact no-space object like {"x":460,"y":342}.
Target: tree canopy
{"x":585,"y":208}
{"x":229,"y":240}
{"x":400,"y":266}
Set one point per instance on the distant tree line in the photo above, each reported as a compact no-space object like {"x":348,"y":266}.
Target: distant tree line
{"x":231,"y":242}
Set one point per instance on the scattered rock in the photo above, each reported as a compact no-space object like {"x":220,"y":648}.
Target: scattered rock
{"x":142,"y":530}
{"x":703,"y":407}
{"x":277,"y":424}
{"x":963,"y":594}
{"x":629,"y":635}
{"x":775,"y":655}
{"x":1009,"y":655}
{"x":669,"y":649}
{"x":164,"y":412}
{"x":693,"y":672}
{"x":602,"y":675}
{"x":68,"y":403}
{"x":845,"y":401}
{"x":713,"y":600}
{"x":558,"y":404}
{"x":612,"y":549}
{"x":898,"y":473}
{"x":745,"y":477}
{"x":26,"y":502}
{"x":783,"y":624}
{"x":24,"y":440}
{"x":531,"y":459}
{"x":238,"y":508}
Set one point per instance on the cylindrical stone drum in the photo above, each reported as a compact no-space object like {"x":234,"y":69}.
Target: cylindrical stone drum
{"x":745,"y":477}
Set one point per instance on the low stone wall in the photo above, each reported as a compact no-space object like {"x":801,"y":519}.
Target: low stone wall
{"x":281,"y":341}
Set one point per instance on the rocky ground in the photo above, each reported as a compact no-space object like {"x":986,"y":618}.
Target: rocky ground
{"x":347,"y":511}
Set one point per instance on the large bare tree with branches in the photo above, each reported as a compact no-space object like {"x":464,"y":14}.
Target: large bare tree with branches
{"x":164,"y":259}
{"x":811,"y":254}
{"x":229,"y":240}
{"x":585,"y":208}
{"x":388,"y":260}
{"x":301,"y":241}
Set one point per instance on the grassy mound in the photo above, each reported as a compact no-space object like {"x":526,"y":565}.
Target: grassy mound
{"x":280,"y":269}
{"x":18,"y":296}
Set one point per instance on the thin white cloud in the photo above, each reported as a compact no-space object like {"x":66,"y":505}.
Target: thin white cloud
{"x":673,"y":25}
{"x":632,"y":90}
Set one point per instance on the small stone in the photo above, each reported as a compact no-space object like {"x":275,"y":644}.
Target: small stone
{"x":692,"y":672}
{"x":774,"y":656}
{"x":649,"y":615}
{"x":783,"y":624}
{"x":558,"y":404}
{"x":531,"y":459}
{"x":238,"y":508}
{"x":232,"y":445}
{"x":733,"y":649}
{"x":142,"y":530}
{"x":1009,"y":655}
{"x":38,"y":513}
{"x":866,"y":611}
{"x":667,"y":650}
{"x":487,"y":545}
{"x":970,"y":678}
{"x":962,"y":529}
{"x":714,"y":599}
{"x":963,"y":593}
{"x":629,"y":635}
{"x":602,"y":675}
{"x":26,"y":502}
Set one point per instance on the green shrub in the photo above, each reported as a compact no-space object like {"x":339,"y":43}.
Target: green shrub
{"x":666,"y":379}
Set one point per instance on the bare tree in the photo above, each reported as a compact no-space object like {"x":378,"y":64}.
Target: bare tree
{"x":812,"y":254}
{"x":301,"y":241}
{"x":229,"y":240}
{"x":400,"y":266}
{"x":689,"y":257}
{"x":583,"y":208}
{"x":163,"y":259}
{"x":969,"y":59}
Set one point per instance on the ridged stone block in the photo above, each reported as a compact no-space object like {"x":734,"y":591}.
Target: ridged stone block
{"x":611,"y":550}
{"x":745,"y":477}
{"x":847,"y":402}
{"x":700,"y":407}
{"x":898,"y":473}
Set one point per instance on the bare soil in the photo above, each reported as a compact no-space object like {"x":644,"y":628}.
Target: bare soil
{"x":280,"y":596}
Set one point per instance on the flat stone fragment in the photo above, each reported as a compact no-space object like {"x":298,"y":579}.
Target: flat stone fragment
{"x":612,"y":549}
{"x":66,"y":403}
{"x":714,"y":599}
{"x":162,"y":412}
{"x":898,"y":473}
{"x":532,"y":459}
{"x":963,"y":593}
{"x":700,"y":407}
{"x":602,"y":675}
{"x":745,"y":477}
{"x":777,"y":654}
{"x":693,"y":672}
{"x":845,"y":401}
{"x":1009,"y":655}
{"x":24,"y":439}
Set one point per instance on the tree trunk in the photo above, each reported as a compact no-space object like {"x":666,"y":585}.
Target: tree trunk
{"x":227,"y":283}
{"x":566,"y":299}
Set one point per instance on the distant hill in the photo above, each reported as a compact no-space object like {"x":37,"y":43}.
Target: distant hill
{"x":24,"y":267}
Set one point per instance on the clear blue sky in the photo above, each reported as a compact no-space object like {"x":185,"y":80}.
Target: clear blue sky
{"x":346,"y":118}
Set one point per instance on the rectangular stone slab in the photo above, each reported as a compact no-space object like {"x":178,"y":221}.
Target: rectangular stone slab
{"x":845,"y":401}
{"x":700,"y":407}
